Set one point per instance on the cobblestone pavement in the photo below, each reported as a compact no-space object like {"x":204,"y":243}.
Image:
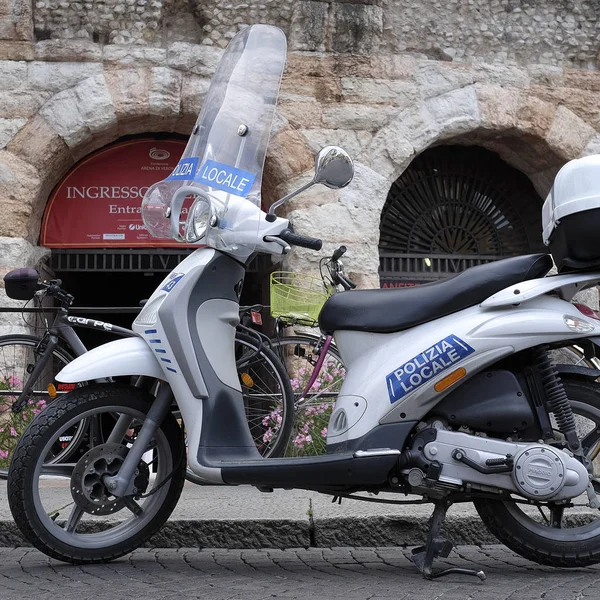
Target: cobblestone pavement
{"x":315,"y":573}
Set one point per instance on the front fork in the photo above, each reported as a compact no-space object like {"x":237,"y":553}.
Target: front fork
{"x":123,"y":483}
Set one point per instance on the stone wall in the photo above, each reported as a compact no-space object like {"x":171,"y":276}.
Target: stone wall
{"x":549,"y":32}
{"x":384,"y":79}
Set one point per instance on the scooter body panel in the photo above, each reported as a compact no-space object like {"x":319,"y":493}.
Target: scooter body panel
{"x":129,"y":356}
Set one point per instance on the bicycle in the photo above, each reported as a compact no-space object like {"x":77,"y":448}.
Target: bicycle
{"x":29,"y":364}
{"x":313,"y":362}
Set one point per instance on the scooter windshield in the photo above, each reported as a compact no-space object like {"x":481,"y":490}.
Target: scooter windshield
{"x":213,"y":195}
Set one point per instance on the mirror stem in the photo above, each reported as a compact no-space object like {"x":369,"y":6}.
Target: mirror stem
{"x":271,"y":214}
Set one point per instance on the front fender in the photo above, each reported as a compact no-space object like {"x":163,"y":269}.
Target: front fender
{"x":129,"y":356}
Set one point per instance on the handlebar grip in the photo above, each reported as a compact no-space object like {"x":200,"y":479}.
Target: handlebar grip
{"x":346,"y":282}
{"x":296,"y":239}
{"x":338,"y":253}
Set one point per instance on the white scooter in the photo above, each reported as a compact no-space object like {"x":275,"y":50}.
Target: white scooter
{"x":450,"y":392}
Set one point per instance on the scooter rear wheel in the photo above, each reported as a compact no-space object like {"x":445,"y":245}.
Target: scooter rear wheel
{"x":65,"y":510}
{"x":550,"y":534}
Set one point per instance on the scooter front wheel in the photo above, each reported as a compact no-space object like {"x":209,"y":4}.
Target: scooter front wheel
{"x":65,"y":510}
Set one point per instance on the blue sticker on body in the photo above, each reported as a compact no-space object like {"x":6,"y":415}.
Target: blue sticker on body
{"x":426,"y":366}
{"x":185,"y":169}
{"x":172,"y":282}
{"x":226,"y":178}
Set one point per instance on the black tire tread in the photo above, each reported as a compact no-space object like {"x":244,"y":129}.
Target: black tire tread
{"x":527,"y":544}
{"x":24,"y":460}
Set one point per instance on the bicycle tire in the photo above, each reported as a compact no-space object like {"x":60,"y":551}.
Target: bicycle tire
{"x":263,"y":420}
{"x":11,"y":423}
{"x":311,"y":413}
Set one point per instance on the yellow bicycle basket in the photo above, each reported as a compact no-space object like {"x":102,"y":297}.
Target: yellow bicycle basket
{"x":297,"y":296}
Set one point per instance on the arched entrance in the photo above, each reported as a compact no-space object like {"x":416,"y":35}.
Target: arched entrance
{"x":100,"y":248}
{"x":455,"y":207}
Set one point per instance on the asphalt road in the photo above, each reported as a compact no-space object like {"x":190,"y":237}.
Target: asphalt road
{"x":315,"y":573}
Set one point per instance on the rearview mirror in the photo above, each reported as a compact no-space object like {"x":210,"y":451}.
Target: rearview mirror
{"x":333,"y":168}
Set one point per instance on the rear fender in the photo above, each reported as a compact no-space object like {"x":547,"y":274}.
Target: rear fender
{"x":129,"y":356}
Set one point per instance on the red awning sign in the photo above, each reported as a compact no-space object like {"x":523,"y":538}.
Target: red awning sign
{"x":98,"y":203}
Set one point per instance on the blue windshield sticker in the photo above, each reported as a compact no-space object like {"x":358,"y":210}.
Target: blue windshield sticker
{"x":426,"y":366}
{"x":226,"y":178}
{"x":185,"y":169}
{"x":172,"y":282}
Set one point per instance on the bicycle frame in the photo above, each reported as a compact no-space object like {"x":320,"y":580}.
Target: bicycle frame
{"x":61,"y":328}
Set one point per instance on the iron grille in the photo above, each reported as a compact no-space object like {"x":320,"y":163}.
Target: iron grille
{"x":455,"y":207}
{"x":148,"y":260}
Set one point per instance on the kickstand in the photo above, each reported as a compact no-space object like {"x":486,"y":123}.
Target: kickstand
{"x":436,"y":547}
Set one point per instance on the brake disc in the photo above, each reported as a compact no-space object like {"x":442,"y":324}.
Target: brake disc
{"x":87,"y":485}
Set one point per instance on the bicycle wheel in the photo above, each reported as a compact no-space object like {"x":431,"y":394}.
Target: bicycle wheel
{"x":268,"y":397}
{"x":312,"y":408}
{"x":18,"y":355}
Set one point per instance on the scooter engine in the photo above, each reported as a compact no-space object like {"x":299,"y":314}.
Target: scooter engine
{"x":450,"y":459}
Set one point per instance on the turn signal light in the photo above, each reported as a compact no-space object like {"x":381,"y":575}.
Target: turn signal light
{"x":449,"y":380}
{"x":52,"y":391}
{"x":247,"y":380}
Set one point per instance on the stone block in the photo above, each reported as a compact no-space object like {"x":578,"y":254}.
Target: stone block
{"x":394,"y":145}
{"x":8,"y":129}
{"x":289,"y":156}
{"x":379,"y":91}
{"x":19,"y":189}
{"x":56,"y":77}
{"x":193,"y":58}
{"x":16,"y":22}
{"x":498,"y":106}
{"x":193,"y":91}
{"x":130,"y":91}
{"x":308,"y":28}
{"x":582,"y":79}
{"x":21,"y":103}
{"x":501,"y":74}
{"x":593,"y":146}
{"x":79,"y":112}
{"x":129,"y":55}
{"x":547,"y":75}
{"x":17,"y":252}
{"x":39,"y":145}
{"x":353,"y":142}
{"x":455,"y":112}
{"x":165,"y":91}
{"x":13,"y":74}
{"x":304,"y":114}
{"x":535,"y":116}
{"x":76,"y":50}
{"x":357,"y":116}
{"x":10,"y":50}
{"x":569,"y":135}
{"x":435,"y":78}
{"x":322,"y":89}
{"x":356,"y":28}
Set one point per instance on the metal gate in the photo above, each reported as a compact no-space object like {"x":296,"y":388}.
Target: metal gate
{"x":453,"y":208}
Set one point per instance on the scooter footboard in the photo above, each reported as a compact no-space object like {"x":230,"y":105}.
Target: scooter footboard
{"x":325,"y":473}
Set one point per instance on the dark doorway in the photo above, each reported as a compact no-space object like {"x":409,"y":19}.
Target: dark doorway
{"x":455,"y":207}
{"x":112,"y":280}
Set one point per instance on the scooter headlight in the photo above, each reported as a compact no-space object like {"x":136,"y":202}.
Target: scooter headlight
{"x":198,"y":220}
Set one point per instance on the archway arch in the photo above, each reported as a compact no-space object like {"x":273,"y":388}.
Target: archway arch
{"x":455,"y":207}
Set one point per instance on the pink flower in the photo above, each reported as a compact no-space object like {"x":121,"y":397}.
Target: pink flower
{"x":13,"y":432}
{"x":14,"y":381}
{"x":3,"y":453}
{"x":324,"y":432}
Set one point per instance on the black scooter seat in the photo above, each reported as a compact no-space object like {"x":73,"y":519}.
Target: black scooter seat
{"x":391,"y":310}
